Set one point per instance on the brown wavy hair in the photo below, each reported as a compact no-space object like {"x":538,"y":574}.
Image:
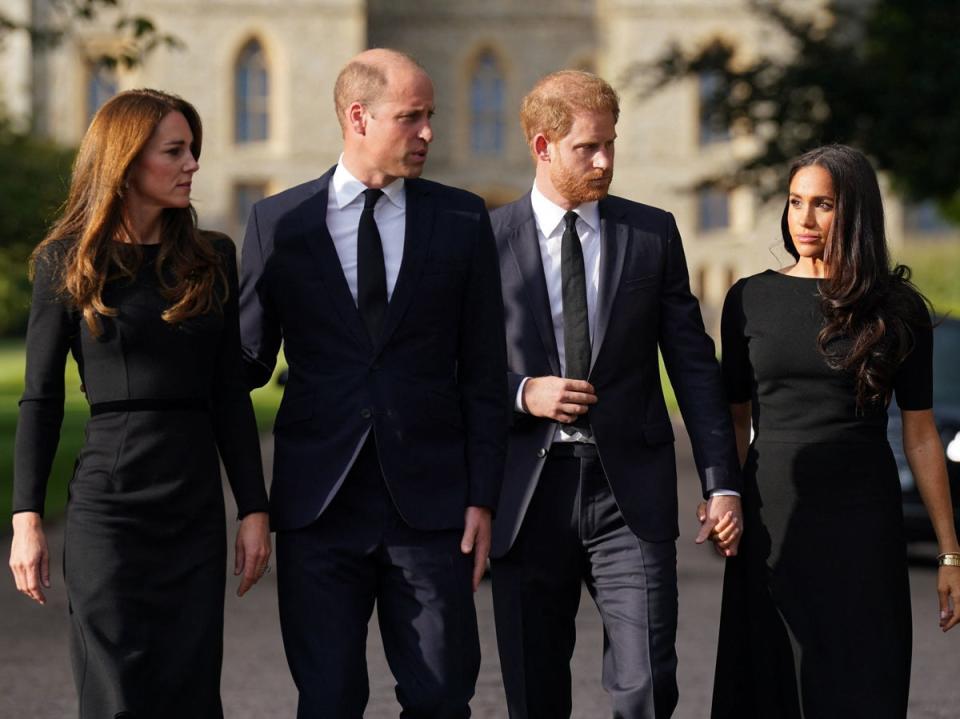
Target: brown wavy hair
{"x":868,"y":306}
{"x":92,"y":231}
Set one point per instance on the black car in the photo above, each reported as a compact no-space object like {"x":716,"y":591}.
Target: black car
{"x":946,"y":410}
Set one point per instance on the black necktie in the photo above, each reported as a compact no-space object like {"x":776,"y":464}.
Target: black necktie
{"x":576,"y":328}
{"x":371,"y":274}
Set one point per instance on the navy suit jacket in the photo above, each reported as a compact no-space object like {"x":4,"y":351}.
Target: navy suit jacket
{"x":644,"y":302}
{"x":431,"y":388}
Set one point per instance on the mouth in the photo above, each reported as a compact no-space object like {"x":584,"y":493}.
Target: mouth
{"x":185,"y":185}
{"x":809,"y":239}
{"x":418,"y":155}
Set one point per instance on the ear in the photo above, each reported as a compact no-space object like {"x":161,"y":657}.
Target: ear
{"x":541,"y":147}
{"x":357,"y":118}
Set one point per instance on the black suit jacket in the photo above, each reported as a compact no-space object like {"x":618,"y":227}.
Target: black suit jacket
{"x":431,"y":388}
{"x":644,"y":302}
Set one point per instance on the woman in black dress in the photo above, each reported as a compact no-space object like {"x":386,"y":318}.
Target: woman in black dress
{"x":815,"y":619}
{"x":147,"y":305}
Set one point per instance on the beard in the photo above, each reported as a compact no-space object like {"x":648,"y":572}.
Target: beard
{"x":589,"y":187}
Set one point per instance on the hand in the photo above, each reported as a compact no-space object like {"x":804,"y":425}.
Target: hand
{"x":721,"y":520}
{"x":948,"y":589}
{"x":29,"y":557}
{"x":558,"y":398}
{"x":252,"y":550}
{"x":476,"y":539}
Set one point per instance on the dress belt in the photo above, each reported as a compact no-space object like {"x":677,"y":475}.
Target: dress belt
{"x":151,"y":405}
{"x":573,"y":449}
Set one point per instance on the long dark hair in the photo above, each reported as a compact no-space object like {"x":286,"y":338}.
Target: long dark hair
{"x":93,"y":215}
{"x":864,"y":302}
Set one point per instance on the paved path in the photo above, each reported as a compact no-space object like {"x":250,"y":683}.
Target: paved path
{"x":35,"y":678}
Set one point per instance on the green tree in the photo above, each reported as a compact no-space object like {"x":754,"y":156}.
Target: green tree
{"x":879,"y":75}
{"x":33,"y":186}
{"x":36,"y":171}
{"x":137,"y":33}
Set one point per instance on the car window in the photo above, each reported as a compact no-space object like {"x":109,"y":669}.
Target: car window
{"x":946,"y":363}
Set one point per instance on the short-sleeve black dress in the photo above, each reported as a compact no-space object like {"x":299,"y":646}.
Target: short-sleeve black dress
{"x":145,"y":550}
{"x":816,"y":606}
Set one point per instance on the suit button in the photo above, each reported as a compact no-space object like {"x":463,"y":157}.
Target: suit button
{"x":541,"y":453}
{"x":366,"y":413}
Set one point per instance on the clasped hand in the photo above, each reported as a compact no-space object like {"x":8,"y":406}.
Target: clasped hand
{"x":558,"y":398}
{"x":721,"y":521}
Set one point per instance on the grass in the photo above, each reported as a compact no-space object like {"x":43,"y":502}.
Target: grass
{"x":935,"y":267}
{"x":265,"y":403}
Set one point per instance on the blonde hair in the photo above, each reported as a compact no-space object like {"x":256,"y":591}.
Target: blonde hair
{"x":93,"y":216}
{"x":550,"y":106}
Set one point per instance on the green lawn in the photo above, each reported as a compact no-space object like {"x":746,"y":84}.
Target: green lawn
{"x":935,"y":269}
{"x":265,"y":402}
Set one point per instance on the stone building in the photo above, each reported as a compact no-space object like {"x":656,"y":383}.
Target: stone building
{"x":261,"y":74}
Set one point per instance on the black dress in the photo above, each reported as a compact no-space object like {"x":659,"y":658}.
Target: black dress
{"x":816,"y":606}
{"x":145,"y":554}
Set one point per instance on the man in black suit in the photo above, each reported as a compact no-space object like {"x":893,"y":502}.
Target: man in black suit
{"x":390,"y":439}
{"x":592,"y":286}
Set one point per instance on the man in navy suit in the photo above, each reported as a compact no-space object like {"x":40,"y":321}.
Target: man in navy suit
{"x":593,"y":285}
{"x":390,"y":439}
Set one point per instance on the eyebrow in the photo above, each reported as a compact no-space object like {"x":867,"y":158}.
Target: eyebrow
{"x":816,"y":197}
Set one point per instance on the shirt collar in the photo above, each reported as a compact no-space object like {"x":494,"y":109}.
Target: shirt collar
{"x":549,"y":215}
{"x":347,"y":188}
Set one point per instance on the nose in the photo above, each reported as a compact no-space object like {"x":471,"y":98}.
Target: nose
{"x":426,"y":132}
{"x":808,"y":216}
{"x":603,"y":160}
{"x":191,"y":164}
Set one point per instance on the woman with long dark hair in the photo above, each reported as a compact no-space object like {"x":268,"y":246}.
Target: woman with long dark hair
{"x":816,"y":607}
{"x":147,"y":304}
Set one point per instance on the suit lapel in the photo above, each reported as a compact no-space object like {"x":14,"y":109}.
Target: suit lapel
{"x":313,"y":224}
{"x":418,"y":233}
{"x":526,"y":250}
{"x":614,"y":235}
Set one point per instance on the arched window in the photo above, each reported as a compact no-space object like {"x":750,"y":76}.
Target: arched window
{"x":486,"y":106}
{"x":712,"y":129}
{"x":101,"y":86}
{"x":251,"y":94}
{"x":713,"y":209}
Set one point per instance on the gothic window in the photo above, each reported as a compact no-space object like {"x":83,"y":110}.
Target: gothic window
{"x":486,"y":106}
{"x":101,"y":86}
{"x":711,"y":128}
{"x":245,"y":194}
{"x":251,"y":94}
{"x":713,"y":209}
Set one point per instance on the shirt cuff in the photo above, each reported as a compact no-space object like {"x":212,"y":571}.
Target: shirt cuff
{"x":518,"y":402}
{"x":723,"y":493}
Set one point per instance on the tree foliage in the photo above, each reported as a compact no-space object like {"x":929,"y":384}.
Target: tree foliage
{"x":33,"y":185}
{"x":136,"y":34}
{"x":36,"y":172}
{"x":880,"y":75}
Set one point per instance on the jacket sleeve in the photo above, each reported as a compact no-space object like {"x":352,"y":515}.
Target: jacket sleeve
{"x":260,"y":331}
{"x":482,"y":372}
{"x":233,"y":418}
{"x":688,"y":354}
{"x":50,"y":331}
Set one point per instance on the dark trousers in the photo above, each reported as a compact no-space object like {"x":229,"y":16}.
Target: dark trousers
{"x":573,"y":532}
{"x":360,"y":553}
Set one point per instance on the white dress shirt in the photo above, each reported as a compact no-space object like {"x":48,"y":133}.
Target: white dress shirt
{"x":550,"y":225}
{"x":344,"y":206}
